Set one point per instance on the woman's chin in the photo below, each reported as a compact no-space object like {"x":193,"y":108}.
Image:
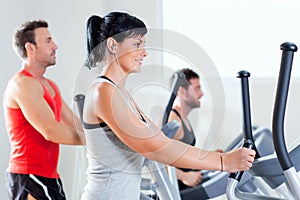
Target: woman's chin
{"x":136,"y":70}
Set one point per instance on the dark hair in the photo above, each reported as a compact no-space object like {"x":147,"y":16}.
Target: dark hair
{"x":26,"y":34}
{"x":189,"y":74}
{"x":116,"y":25}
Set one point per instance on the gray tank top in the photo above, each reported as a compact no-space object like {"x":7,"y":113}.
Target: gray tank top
{"x":189,"y":136}
{"x":114,"y":170}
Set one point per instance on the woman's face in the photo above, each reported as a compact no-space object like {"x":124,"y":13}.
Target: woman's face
{"x":131,"y":53}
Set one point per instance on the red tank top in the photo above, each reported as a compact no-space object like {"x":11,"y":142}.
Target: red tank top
{"x":30,"y":152}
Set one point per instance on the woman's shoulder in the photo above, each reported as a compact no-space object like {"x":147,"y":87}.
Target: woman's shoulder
{"x":105,"y":92}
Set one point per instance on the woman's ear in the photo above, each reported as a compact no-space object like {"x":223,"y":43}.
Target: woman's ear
{"x":112,"y":45}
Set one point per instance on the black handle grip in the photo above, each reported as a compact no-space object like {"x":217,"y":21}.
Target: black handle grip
{"x":179,"y":76}
{"x":79,"y":99}
{"x":288,"y":50}
{"x":248,"y":135}
{"x":243,"y":75}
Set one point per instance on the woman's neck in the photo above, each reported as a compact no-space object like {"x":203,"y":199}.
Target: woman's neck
{"x":117,"y":75}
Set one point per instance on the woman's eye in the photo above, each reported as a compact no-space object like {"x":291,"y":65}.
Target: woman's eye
{"x":137,"y":45}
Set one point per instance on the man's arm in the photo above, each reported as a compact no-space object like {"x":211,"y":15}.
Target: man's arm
{"x":70,"y":119}
{"x":28,"y":94}
{"x":190,"y":178}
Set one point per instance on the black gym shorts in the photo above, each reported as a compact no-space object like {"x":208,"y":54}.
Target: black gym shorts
{"x":41,"y":188}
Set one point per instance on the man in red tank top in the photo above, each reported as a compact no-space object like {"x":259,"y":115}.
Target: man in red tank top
{"x":37,"y":119}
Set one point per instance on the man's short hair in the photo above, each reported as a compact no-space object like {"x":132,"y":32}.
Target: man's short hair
{"x":189,"y":74}
{"x":26,"y":34}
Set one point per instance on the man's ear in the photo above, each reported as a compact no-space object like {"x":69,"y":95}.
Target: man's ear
{"x":181,"y":91}
{"x":29,"y":47}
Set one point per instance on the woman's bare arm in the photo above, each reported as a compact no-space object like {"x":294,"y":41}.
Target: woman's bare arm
{"x":150,"y":142}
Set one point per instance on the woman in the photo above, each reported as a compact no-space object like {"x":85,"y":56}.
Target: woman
{"x":118,"y":134}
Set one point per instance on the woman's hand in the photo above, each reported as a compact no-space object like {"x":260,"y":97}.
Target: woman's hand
{"x":237,"y":160}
